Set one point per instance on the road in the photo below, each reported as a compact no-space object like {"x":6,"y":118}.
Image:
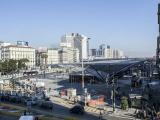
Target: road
{"x":60,"y":110}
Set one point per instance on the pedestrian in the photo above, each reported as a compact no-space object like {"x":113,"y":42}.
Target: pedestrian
{"x":100,"y":115}
{"x":24,"y":112}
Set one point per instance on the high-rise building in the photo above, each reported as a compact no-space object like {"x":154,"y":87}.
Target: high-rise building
{"x":101,"y":50}
{"x":18,"y":52}
{"x":93,"y":52}
{"x":76,"y":41}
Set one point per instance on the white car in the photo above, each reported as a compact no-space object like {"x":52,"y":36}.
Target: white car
{"x":27,"y":117}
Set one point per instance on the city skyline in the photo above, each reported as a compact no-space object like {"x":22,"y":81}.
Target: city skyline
{"x":42,"y":23}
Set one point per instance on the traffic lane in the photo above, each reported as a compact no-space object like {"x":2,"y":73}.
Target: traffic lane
{"x":65,"y":111}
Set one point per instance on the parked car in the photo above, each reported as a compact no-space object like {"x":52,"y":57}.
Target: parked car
{"x":46,"y":105}
{"x":77,"y":109}
{"x":32,"y":102}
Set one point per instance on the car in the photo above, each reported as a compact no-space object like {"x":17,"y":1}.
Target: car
{"x":77,"y":109}
{"x":46,"y":105}
{"x":30,"y":101}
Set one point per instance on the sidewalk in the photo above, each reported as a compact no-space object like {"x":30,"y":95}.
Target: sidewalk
{"x":108,"y":110}
{"x":129,"y":114}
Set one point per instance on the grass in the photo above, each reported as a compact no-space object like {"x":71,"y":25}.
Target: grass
{"x":70,"y":118}
{"x":15,"y":114}
{"x":48,"y":118}
{"x":12,"y":106}
{"x":19,"y":112}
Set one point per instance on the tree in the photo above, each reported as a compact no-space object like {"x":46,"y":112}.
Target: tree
{"x":12,"y":83}
{"x":124,"y":103}
{"x":8,"y":66}
{"x":70,"y":118}
{"x":45,"y":56}
{"x":22,"y":63}
{"x":0,"y":66}
{"x":12,"y":65}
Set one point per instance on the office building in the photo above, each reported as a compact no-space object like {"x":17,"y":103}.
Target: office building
{"x":76,"y":41}
{"x":93,"y":52}
{"x":101,"y":50}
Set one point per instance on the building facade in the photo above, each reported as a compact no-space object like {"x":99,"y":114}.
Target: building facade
{"x":53,"y":56}
{"x":68,"y":55}
{"x":93,"y":52}
{"x":40,"y":61}
{"x":76,"y":41}
{"x":101,"y":50}
{"x":2,"y":44}
{"x":108,"y":54}
{"x":17,"y":52}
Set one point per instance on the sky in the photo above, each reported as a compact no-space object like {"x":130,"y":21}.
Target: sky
{"x":128,"y":25}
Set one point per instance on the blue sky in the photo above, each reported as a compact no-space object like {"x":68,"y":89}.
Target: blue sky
{"x":129,"y":25}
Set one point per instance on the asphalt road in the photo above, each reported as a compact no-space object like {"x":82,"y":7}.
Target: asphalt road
{"x":5,"y":117}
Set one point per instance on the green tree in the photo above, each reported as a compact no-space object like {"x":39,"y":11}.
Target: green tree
{"x":8,"y":66}
{"x":22,"y":63}
{"x":12,"y":65}
{"x":0,"y":66}
{"x":5,"y":66}
{"x":12,"y":83}
{"x":45,"y":56}
{"x":124,"y":103}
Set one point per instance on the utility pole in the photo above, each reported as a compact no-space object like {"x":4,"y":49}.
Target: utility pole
{"x":150,"y":75}
{"x":113,"y":99}
{"x":82,"y":74}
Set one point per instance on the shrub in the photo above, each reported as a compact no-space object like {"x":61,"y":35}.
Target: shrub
{"x":70,"y":118}
{"x":124,"y":103}
{"x":13,"y":100}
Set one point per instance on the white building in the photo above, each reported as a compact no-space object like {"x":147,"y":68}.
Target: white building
{"x":2,"y":44}
{"x":17,"y":52}
{"x":113,"y":53}
{"x":108,"y":54}
{"x":69,"y":55}
{"x":76,"y":41}
{"x":53,"y":56}
{"x":121,"y":54}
